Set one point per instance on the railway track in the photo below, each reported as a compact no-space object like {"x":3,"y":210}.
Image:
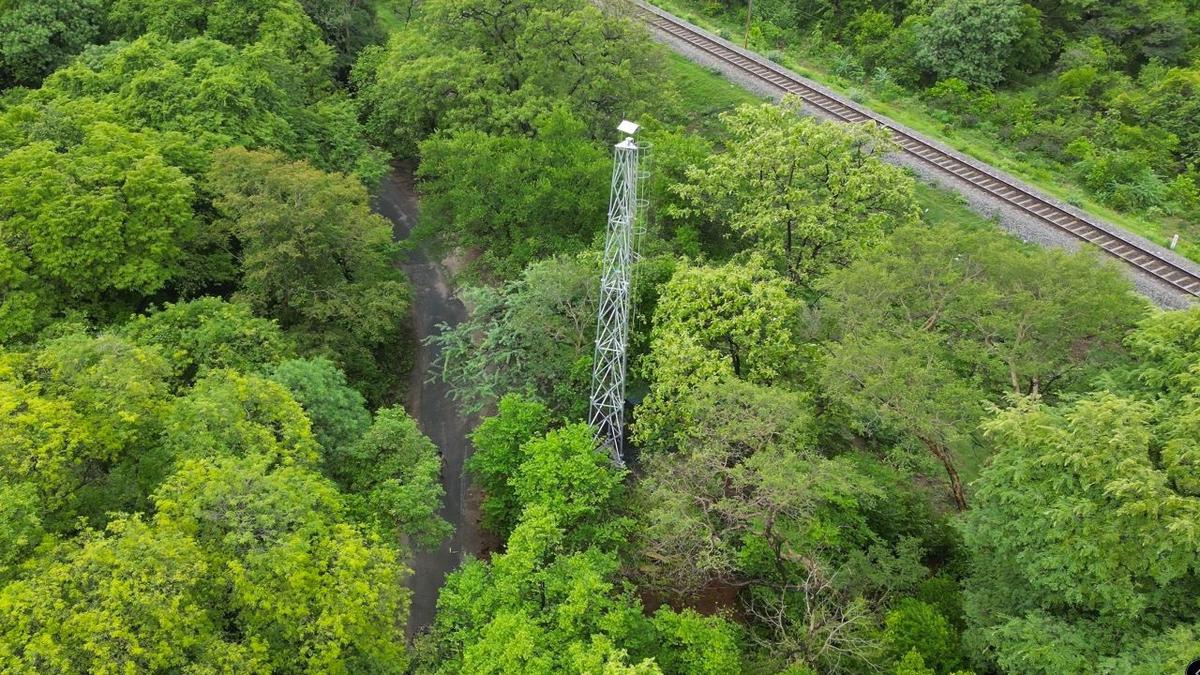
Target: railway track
{"x":1108,"y":238}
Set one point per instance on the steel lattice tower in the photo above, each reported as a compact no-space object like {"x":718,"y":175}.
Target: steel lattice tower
{"x":626,"y":218}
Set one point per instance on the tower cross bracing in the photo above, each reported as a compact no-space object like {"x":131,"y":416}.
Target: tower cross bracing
{"x":626,"y":219}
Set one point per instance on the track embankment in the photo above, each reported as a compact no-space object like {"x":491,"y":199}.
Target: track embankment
{"x":1166,"y":277}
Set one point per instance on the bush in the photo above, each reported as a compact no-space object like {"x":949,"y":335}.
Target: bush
{"x":916,"y":626}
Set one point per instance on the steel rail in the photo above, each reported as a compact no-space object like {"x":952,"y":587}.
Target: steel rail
{"x":1105,"y":237}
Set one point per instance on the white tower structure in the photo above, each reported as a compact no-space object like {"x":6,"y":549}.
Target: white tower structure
{"x":626,"y":223}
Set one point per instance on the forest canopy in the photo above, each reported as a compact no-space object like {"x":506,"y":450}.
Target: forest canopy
{"x":1102,"y":95}
{"x":868,"y":430}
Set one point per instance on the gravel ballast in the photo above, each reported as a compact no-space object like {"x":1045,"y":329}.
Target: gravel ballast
{"x":1019,"y":222}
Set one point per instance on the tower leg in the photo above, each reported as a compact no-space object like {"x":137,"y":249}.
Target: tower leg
{"x":607,"y":410}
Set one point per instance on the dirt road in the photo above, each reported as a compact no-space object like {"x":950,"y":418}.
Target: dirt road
{"x":429,"y":402}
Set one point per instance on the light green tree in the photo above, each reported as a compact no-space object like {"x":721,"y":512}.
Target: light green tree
{"x":565,"y":473}
{"x":498,"y":441}
{"x":95,"y":226}
{"x":228,"y":413}
{"x":131,"y":599}
{"x":289,"y":574}
{"x":1079,"y":534}
{"x":217,"y":95}
{"x":72,"y":410}
{"x":741,"y":312}
{"x":20,"y":525}
{"x":737,"y":319}
{"x":809,"y":195}
{"x":914,"y":626}
{"x":279,"y":25}
{"x":246,"y":566}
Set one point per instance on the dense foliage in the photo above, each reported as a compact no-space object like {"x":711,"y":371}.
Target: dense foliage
{"x":809,"y":417}
{"x":497,"y":66}
{"x":527,"y":197}
{"x":119,"y":188}
{"x":186,"y":486}
{"x":168,"y":510}
{"x":1105,"y":92}
{"x":554,"y":601}
{"x":38,"y":37}
{"x":865,"y":436}
{"x":1068,"y":487}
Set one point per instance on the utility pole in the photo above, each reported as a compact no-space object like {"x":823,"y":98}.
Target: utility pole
{"x":626,"y":218}
{"x":749,"y":13}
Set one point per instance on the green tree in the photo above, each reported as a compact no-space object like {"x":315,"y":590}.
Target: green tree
{"x":393,"y":478}
{"x":338,"y":413}
{"x":927,"y":330}
{"x":534,"y":336}
{"x":347,"y":25}
{"x":539,"y":608}
{"x":810,"y":195}
{"x":1080,"y":534}
{"x":315,"y":258}
{"x":900,"y":385}
{"x":38,"y":36}
{"x":498,"y":441}
{"x":209,"y":333}
{"x":279,"y":25}
{"x":745,"y":502}
{"x":217,"y":95}
{"x":94,"y":227}
{"x":972,"y":40}
{"x":913,"y":625}
{"x":675,"y":150}
{"x":1033,"y":50}
{"x":497,"y":66}
{"x":414,"y":87}
{"x":682,"y":503}
{"x":745,"y":495}
{"x":737,"y":319}
{"x":1169,"y":99}
{"x":1143,"y":30}
{"x":517,"y":198}
{"x":520,"y":462}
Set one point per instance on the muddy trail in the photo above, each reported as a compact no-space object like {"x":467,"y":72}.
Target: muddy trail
{"x":429,"y":402}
